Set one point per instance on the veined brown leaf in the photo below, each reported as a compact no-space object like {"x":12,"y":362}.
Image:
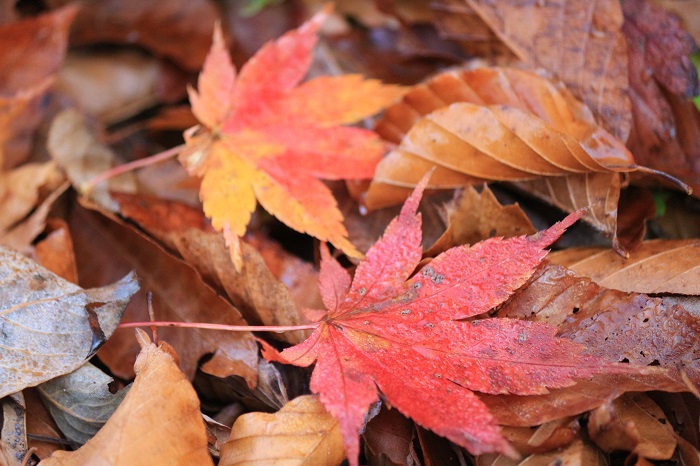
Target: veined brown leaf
{"x":487,"y":124}
{"x":657,"y":266}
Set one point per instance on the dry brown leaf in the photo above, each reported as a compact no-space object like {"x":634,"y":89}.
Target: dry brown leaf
{"x":256,"y":290}
{"x":475,"y":216}
{"x":547,"y":437}
{"x":31,"y":51}
{"x":158,"y":423}
{"x":657,"y":266}
{"x":634,"y":423}
{"x":612,"y":324}
{"x":55,"y":251}
{"x":502,"y":124}
{"x":579,"y":42}
{"x":104,"y":249}
{"x":47,"y":321}
{"x":301,"y":433}
{"x":388,"y":439}
{"x":40,"y":426}
{"x":13,"y":437}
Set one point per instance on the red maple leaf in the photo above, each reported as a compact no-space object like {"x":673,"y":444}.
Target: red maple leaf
{"x":401,"y":334}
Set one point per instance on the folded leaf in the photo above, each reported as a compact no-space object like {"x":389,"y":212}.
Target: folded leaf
{"x":50,"y":326}
{"x":269,"y":138}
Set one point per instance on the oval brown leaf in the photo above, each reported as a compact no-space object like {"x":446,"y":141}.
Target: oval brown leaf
{"x":45,"y":327}
{"x":657,"y":266}
{"x":158,"y":423}
{"x":301,"y":433}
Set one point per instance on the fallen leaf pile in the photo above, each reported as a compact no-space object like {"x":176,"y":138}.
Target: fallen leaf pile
{"x":339,"y":252}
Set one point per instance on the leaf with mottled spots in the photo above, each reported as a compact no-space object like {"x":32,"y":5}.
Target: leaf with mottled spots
{"x":391,"y":331}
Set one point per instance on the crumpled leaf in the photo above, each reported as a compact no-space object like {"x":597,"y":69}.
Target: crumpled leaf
{"x":31,"y":51}
{"x":158,"y":423}
{"x":657,"y":266}
{"x":633,"y":423}
{"x":269,"y":138}
{"x":301,"y":433}
{"x":495,"y":123}
{"x":386,"y":331}
{"x":13,"y":437}
{"x":581,"y":43}
{"x":47,"y":322}
{"x":80,"y":402}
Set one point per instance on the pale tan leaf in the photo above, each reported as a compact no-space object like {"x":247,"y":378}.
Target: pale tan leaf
{"x":657,"y":266}
{"x":301,"y":433}
{"x":635,"y":423}
{"x":80,"y":402}
{"x":45,"y":321}
{"x":13,"y":438}
{"x":158,"y":423}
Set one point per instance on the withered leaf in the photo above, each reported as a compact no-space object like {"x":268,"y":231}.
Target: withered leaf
{"x":45,"y":321}
{"x":80,"y":402}
{"x":301,"y":433}
{"x":158,"y":423}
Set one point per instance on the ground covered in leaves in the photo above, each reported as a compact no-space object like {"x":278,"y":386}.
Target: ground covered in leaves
{"x":336,"y":219}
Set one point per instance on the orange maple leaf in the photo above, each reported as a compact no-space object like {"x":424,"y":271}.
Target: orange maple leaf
{"x":269,"y":138}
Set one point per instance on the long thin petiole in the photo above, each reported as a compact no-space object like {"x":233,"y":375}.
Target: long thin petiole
{"x":229,"y":328}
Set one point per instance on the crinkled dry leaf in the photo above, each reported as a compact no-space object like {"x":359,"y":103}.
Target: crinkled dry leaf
{"x":388,"y":439}
{"x":13,"y":437}
{"x":48,"y":322}
{"x":55,"y":251}
{"x":301,"y":433}
{"x":475,"y":216}
{"x":579,"y":42}
{"x":40,"y":425}
{"x":633,"y":423}
{"x":158,"y":423}
{"x":657,"y":266}
{"x":80,"y":402}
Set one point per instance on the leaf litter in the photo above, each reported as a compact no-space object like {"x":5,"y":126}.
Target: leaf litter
{"x":264,"y":131}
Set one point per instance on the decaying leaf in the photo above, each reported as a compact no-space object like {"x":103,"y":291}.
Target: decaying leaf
{"x":80,"y":402}
{"x":386,"y":331}
{"x":657,"y":266}
{"x":269,"y":138}
{"x":50,"y":326}
{"x":13,"y":436}
{"x":158,"y":423}
{"x":612,"y":324}
{"x":301,"y":433}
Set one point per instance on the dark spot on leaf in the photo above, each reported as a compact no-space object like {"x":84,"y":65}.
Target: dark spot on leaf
{"x":575,"y":310}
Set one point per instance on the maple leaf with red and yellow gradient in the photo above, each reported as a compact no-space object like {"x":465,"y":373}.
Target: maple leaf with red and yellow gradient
{"x":267,"y":137}
{"x":387,"y":331}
